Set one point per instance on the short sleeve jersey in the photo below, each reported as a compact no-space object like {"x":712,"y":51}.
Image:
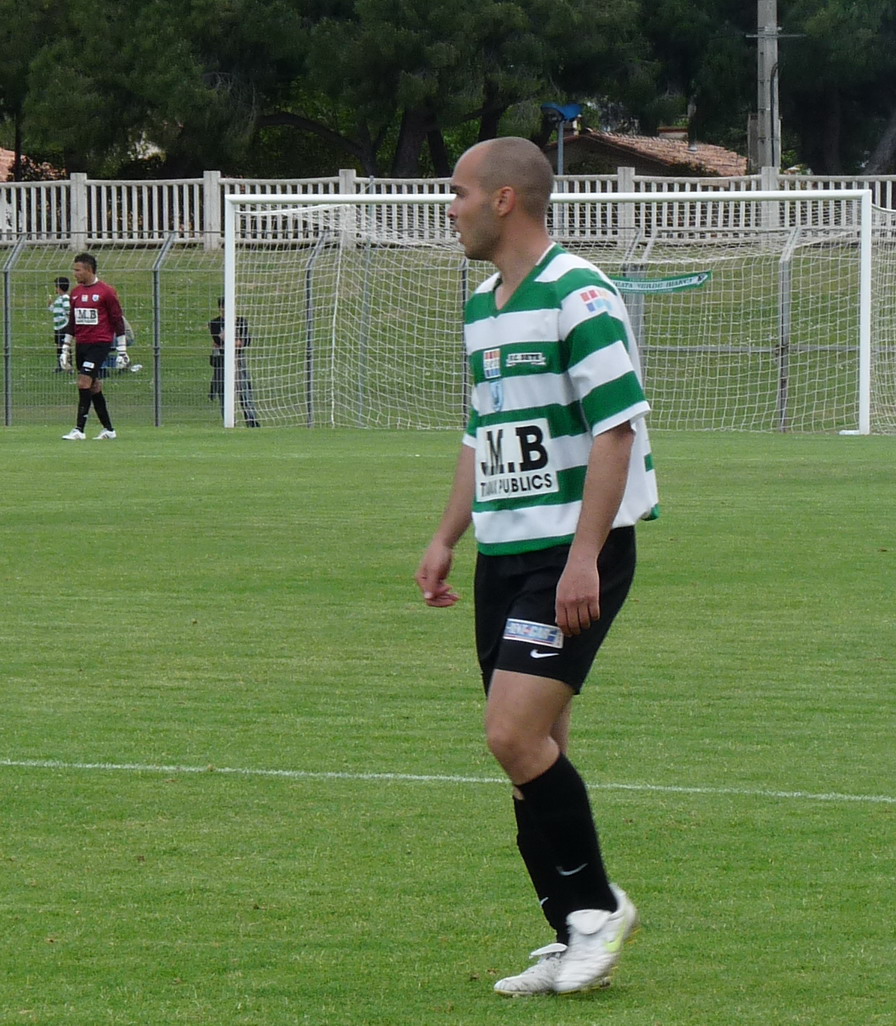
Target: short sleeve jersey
{"x":60,"y":308}
{"x":551,"y":369}
{"x":95,"y":314}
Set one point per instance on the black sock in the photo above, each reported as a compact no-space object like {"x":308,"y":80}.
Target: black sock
{"x":84,"y":398}
{"x":99,"y":404}
{"x":541,"y":869}
{"x":560,"y":810}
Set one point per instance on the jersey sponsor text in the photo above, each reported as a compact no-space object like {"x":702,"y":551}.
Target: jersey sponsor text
{"x":513,"y":460}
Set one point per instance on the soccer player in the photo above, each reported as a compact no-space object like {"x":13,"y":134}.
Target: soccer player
{"x":60,"y":307}
{"x":96,"y":323}
{"x":554,"y":472}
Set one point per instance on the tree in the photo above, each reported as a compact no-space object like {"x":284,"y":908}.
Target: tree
{"x":392,"y":86}
{"x":704,"y":66}
{"x":415,"y":76}
{"x":838,"y":82}
{"x":401,"y":86}
{"x":24,"y":26}
{"x":186,"y":78}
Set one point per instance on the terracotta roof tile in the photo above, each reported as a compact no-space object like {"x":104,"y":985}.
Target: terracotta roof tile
{"x":706,"y":159}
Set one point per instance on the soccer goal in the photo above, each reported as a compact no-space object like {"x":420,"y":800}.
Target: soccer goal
{"x":753,"y":310}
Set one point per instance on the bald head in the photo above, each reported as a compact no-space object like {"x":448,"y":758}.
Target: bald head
{"x":518,"y":163}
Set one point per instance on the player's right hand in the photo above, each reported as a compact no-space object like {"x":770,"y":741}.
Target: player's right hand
{"x":432,"y":576}
{"x":65,"y":356}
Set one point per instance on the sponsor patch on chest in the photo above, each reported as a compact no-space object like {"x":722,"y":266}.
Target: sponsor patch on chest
{"x":513,"y":461}
{"x":491,"y":363}
{"x":527,"y":360}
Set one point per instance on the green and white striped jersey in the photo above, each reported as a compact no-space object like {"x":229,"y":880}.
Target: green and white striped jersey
{"x":60,"y":308}
{"x":554,"y":367}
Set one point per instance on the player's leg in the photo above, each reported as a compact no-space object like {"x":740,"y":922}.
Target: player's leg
{"x":533,"y":851}
{"x":555,"y":828}
{"x":556,"y":835}
{"x":560,"y":729}
{"x":527,"y":720}
{"x":85,"y":398}
{"x":528,"y":711}
{"x":597,"y":932}
{"x":558,"y":841}
{"x":99,"y":396}
{"x":102,"y":411}
{"x":244,"y":391}
{"x":521,"y":714}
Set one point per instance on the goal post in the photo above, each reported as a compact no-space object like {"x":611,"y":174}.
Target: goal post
{"x":354,"y":305}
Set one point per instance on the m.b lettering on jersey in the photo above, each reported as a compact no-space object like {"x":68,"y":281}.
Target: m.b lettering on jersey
{"x":513,"y":460}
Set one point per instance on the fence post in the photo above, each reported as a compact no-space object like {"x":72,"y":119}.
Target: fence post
{"x":78,"y":209}
{"x":348,"y":181}
{"x":211,"y":209}
{"x":625,"y":182}
{"x":769,"y":179}
{"x":771,"y":212}
{"x":349,"y":217}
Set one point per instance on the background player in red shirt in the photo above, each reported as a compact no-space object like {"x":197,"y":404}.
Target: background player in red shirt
{"x":96,"y":323}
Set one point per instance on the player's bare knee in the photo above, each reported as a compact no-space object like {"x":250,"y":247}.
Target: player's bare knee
{"x":506,"y":744}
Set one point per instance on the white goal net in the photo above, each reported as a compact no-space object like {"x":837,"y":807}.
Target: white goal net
{"x":754,"y":311}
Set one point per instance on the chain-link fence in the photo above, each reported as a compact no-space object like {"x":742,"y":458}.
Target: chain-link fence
{"x":169,"y":294}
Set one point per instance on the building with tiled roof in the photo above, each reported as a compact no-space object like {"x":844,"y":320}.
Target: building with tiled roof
{"x":6,"y":161}
{"x":590,"y":152}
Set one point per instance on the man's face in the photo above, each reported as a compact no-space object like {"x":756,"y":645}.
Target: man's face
{"x":83,"y":273}
{"x":472,"y":213}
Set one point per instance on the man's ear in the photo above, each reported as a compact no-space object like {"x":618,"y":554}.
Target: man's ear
{"x":505,"y":200}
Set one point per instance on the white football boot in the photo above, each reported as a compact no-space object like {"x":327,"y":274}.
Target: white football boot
{"x":537,"y":979}
{"x":595,"y":944}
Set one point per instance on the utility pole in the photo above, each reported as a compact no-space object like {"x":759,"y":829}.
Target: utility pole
{"x":768,"y":135}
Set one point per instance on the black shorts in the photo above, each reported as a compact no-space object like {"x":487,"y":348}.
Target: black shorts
{"x":91,"y":357}
{"x":515,"y":611}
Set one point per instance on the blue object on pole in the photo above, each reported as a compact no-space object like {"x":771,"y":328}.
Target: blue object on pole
{"x":560,"y":114}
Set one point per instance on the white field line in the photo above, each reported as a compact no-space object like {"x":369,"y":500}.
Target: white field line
{"x":430,"y":778}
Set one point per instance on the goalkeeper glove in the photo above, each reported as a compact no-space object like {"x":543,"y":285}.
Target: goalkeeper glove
{"x":65,"y":354}
{"x":122,"y":360}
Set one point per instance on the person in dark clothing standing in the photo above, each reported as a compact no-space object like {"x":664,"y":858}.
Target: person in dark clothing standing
{"x":243,"y":383}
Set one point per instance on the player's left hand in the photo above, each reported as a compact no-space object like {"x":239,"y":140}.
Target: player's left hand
{"x":122,"y":360}
{"x":578,"y":598}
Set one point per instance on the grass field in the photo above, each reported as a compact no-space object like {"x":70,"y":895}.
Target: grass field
{"x":242,"y":770}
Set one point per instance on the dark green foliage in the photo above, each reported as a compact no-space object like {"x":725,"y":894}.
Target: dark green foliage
{"x":298,"y":88}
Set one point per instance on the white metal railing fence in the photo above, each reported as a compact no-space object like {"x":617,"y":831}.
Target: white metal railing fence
{"x":82,"y":212}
